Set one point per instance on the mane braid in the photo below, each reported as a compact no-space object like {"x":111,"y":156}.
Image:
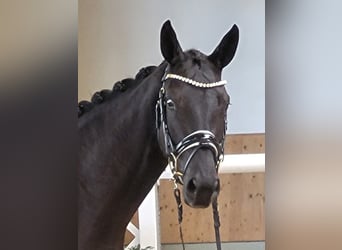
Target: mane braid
{"x":120,"y":86}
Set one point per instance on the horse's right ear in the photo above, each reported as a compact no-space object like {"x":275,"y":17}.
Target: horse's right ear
{"x":169,"y":44}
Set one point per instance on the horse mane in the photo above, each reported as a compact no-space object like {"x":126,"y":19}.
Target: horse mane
{"x":104,"y":95}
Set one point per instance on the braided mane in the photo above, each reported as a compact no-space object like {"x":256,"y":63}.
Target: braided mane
{"x":118,"y":87}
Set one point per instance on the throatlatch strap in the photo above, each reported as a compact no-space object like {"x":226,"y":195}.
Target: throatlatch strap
{"x":177,"y":194}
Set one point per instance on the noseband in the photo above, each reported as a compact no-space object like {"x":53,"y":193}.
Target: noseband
{"x":200,"y":139}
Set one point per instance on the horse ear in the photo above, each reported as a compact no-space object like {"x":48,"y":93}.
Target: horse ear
{"x":225,"y":51}
{"x":169,"y":44}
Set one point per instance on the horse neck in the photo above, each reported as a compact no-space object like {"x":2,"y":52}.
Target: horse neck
{"x":121,"y":164}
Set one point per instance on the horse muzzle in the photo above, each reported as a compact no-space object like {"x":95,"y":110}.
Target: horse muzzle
{"x":199,"y":192}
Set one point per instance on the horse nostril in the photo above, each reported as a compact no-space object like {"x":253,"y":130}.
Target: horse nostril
{"x":192,"y":185}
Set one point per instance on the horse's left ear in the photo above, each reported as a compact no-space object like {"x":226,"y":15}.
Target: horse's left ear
{"x":225,"y":51}
{"x":169,"y":44}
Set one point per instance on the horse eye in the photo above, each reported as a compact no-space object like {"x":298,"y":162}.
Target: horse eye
{"x":170,"y":104}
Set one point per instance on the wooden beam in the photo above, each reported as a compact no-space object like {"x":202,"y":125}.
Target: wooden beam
{"x":245,"y":144}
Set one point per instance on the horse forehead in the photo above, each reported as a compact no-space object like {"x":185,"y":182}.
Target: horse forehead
{"x":202,"y":72}
{"x":194,"y":96}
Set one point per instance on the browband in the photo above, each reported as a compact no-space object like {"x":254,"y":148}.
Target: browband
{"x":195,"y":83}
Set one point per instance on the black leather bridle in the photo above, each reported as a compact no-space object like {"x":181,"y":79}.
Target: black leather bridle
{"x":198,"y":139}
{"x":193,"y":142}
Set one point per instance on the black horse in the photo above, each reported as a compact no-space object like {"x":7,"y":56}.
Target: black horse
{"x":174,"y":113}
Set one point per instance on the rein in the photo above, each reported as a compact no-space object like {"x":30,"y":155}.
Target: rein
{"x":216,"y":218}
{"x":192,"y":142}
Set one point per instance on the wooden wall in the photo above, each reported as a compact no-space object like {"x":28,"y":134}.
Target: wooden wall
{"x":241,"y":203}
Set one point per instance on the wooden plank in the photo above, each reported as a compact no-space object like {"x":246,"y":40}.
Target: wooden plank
{"x":241,"y":203}
{"x":245,"y":144}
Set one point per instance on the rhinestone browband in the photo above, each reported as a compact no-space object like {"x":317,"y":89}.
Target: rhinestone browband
{"x":194,"y":83}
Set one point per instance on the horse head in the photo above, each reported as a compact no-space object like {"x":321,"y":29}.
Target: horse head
{"x":191,"y":113}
